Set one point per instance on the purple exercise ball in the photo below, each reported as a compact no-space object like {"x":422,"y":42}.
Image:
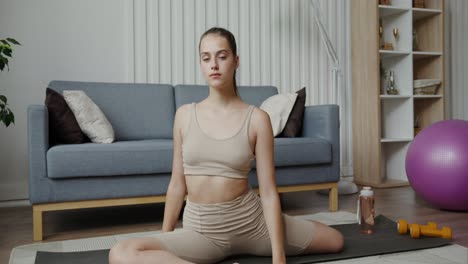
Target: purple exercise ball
{"x":437,"y":164}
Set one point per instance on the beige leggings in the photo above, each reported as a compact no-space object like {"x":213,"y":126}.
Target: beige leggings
{"x":212,"y":232}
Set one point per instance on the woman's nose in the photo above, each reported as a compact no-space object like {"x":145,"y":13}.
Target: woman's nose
{"x":214,"y":65}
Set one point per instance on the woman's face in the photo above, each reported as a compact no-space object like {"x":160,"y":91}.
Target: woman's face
{"x":217,"y":62}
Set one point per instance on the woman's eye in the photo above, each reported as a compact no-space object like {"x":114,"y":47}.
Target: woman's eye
{"x":222,"y":57}
{"x":205,"y":59}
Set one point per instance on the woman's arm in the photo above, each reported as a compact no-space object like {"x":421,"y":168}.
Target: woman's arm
{"x":266,"y":178}
{"x":177,"y":189}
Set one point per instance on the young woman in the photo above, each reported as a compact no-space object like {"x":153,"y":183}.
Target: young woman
{"x":215,"y":142}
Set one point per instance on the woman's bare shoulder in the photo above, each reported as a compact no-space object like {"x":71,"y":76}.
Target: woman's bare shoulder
{"x":260,"y":119}
{"x":183,"y":109}
{"x":182,"y":114}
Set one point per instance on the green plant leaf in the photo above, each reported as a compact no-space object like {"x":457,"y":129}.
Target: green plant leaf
{"x":7,"y":52}
{"x":3,"y":114}
{"x":7,"y":120}
{"x":4,"y":42}
{"x":3,"y":99}
{"x":7,"y":117}
{"x":11,"y":116}
{"x":13,"y":41}
{"x":3,"y":63}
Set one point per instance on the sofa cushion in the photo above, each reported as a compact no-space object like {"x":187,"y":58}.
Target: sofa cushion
{"x":63,"y":127}
{"x":254,"y":95}
{"x":279,"y":107}
{"x":89,"y":116}
{"x":293,"y":126}
{"x":135,"y":110}
{"x":302,"y":151}
{"x":119,"y":158}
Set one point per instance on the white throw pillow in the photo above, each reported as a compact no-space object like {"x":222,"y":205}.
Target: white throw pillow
{"x":89,"y":116}
{"x":279,"y":107}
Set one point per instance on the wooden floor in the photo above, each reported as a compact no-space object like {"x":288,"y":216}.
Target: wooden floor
{"x":395,"y":203}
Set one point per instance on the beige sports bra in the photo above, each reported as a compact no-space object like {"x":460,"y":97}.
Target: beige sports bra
{"x":203,"y":155}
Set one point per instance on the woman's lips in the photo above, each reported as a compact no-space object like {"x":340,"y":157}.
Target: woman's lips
{"x":215,"y":75}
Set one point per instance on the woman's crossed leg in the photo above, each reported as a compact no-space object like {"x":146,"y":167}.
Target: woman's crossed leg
{"x":180,"y":246}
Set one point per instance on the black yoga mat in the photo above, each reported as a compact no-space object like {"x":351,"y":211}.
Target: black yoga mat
{"x":385,"y":240}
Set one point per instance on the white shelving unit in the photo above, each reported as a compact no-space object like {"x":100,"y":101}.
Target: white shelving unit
{"x":420,"y":13}
{"x":383,"y":124}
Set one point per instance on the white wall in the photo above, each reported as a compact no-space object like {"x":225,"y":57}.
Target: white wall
{"x":156,"y":41}
{"x":67,"y":40}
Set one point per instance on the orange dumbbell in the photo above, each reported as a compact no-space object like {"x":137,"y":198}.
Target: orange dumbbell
{"x":403,"y":226}
{"x":416,"y":231}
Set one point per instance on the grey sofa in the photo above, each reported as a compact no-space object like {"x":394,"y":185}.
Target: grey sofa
{"x":136,"y":168}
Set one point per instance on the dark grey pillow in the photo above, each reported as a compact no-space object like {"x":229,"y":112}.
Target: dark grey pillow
{"x":293,"y":126}
{"x":63,"y":127}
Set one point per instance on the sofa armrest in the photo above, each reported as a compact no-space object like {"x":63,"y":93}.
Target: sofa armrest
{"x":38,"y":144}
{"x":323,"y":121}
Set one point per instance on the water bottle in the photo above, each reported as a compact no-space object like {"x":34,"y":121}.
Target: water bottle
{"x":365,"y":210}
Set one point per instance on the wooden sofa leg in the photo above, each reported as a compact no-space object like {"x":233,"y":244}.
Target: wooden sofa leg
{"x":333,"y":198}
{"x":37,"y":224}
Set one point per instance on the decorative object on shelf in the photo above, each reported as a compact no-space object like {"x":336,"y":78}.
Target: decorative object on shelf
{"x":385,"y":78}
{"x":385,"y":2}
{"x":396,"y":35}
{"x":387,"y":46}
{"x":419,"y":3}
{"x":390,"y":83}
{"x":426,"y":86}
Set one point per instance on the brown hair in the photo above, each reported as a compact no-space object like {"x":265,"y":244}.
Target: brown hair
{"x":231,"y":41}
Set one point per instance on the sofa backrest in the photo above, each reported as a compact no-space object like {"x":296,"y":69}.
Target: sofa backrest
{"x":136,"y":111}
{"x":254,"y":95}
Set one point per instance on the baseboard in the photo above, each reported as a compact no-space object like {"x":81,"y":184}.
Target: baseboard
{"x":14,"y":203}
{"x":13,"y":189}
